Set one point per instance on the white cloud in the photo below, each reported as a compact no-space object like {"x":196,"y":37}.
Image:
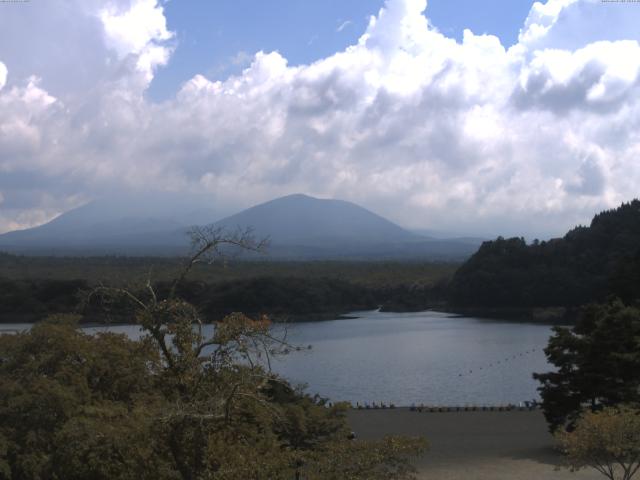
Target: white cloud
{"x":3,"y":75}
{"x":132,"y":29}
{"x":139,"y":29}
{"x":541,"y":20}
{"x":427,"y":131}
{"x":343,"y":25}
{"x":572,"y":24}
{"x":602,"y":75}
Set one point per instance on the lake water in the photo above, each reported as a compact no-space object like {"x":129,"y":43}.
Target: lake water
{"x":403,"y":358}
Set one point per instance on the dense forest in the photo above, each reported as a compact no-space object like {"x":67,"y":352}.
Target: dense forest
{"x":121,"y":270}
{"x":588,"y":264}
{"x":33,"y":287}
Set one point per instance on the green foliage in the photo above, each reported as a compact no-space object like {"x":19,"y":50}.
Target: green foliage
{"x":279,"y":297}
{"x":588,"y":264}
{"x":282,"y":297}
{"x":608,"y":441}
{"x":173,"y":405}
{"x":53,"y":379}
{"x":32,"y":299}
{"x":380,"y":460}
{"x":597,"y":362}
{"x":127,"y":271}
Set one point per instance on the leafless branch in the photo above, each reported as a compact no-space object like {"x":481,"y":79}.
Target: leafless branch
{"x":207,"y":242}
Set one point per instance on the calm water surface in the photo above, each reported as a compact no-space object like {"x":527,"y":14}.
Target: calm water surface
{"x":405,"y":358}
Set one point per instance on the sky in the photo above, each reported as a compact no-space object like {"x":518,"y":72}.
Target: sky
{"x":484,"y":117}
{"x":220,"y":37}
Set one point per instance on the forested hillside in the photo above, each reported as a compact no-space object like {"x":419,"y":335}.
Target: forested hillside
{"x":587,"y":264}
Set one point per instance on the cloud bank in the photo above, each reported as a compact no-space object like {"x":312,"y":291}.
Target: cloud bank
{"x":427,"y":131}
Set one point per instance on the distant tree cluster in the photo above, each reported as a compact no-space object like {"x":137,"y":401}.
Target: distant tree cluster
{"x":32,"y":300}
{"x":126,"y":270}
{"x":282,"y":298}
{"x":587,"y":264}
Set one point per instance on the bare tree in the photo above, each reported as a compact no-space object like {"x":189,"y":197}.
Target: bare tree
{"x":210,"y":243}
{"x":177,"y":327}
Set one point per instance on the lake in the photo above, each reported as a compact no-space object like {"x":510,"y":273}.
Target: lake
{"x":404,"y":358}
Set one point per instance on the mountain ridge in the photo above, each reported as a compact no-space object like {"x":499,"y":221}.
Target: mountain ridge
{"x":299,"y":227}
{"x":300,"y":219}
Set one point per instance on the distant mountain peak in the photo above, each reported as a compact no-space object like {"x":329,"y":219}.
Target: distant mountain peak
{"x":300,"y":219}
{"x":299,"y":226}
{"x":294,"y":196}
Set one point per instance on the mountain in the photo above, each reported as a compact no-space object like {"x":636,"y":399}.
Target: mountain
{"x":135,"y":224}
{"x":588,"y":264}
{"x":299,"y":227}
{"x":303,"y":220}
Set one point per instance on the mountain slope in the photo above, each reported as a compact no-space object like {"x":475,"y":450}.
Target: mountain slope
{"x":114,"y":225}
{"x":299,"y":228}
{"x":303,"y":220}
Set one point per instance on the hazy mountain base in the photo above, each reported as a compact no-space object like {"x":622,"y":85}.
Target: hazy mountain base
{"x":149,"y":245}
{"x":299,"y":228}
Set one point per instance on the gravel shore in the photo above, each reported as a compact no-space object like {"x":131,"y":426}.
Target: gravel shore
{"x":512,"y":445}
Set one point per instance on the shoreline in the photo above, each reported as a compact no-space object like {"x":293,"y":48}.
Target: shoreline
{"x":541,"y":315}
{"x":480,"y":445}
{"x":524,"y":316}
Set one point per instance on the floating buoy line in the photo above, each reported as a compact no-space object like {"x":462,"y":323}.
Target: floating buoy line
{"x":494,"y":364}
{"x":510,"y":407}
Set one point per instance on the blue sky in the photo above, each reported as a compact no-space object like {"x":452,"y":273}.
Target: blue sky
{"x":412,"y":123}
{"x":219,"y":37}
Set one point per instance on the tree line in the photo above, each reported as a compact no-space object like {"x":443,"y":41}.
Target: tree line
{"x":282,"y":298}
{"x":587,"y":265}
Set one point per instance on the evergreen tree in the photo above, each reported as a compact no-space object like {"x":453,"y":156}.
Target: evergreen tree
{"x":597,"y":364}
